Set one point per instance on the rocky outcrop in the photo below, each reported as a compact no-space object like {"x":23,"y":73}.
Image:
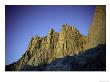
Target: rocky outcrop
{"x":68,"y":42}
{"x":43,"y":50}
{"x":56,"y":45}
{"x":93,"y":59}
{"x":97,"y":31}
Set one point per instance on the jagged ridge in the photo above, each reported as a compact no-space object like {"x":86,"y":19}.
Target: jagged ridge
{"x":56,"y":45}
{"x":68,"y":42}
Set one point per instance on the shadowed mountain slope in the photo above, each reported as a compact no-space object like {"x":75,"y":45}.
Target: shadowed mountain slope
{"x":93,"y":59}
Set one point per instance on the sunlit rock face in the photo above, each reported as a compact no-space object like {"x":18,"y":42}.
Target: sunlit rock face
{"x":42,"y":50}
{"x":97,"y":32}
{"x":44,"y":47}
{"x":56,"y":45}
{"x":68,"y":42}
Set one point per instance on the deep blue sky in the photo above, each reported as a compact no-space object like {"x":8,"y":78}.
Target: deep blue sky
{"x":23,"y":22}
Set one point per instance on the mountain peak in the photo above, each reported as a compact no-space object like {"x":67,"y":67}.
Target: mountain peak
{"x":68,"y":27}
{"x":52,"y":29}
{"x":68,"y":42}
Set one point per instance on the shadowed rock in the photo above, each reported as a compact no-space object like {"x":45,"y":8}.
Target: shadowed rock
{"x":93,"y":59}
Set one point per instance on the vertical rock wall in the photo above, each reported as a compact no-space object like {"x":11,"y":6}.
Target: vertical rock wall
{"x":97,"y":32}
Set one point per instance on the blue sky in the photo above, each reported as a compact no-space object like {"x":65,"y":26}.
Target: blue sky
{"x":24,"y":22}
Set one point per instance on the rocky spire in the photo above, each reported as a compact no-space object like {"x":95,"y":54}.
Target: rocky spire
{"x":69,"y":41}
{"x":97,"y":32}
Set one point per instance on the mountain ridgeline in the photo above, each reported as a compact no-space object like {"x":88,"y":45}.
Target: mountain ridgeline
{"x":70,"y":44}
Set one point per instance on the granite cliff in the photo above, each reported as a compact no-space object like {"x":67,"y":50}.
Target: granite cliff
{"x":68,"y":42}
{"x":97,"y":31}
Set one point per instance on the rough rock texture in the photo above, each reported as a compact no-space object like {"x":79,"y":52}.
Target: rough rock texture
{"x":97,"y":32}
{"x":68,"y":42}
{"x":43,"y":50}
{"x":93,"y":59}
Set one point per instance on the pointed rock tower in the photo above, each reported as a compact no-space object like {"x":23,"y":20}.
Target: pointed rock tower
{"x":97,"y":32}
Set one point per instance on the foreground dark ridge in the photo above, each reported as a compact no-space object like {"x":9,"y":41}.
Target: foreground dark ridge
{"x":93,"y":59}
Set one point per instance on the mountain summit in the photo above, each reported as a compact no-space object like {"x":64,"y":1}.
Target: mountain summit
{"x":68,"y":42}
